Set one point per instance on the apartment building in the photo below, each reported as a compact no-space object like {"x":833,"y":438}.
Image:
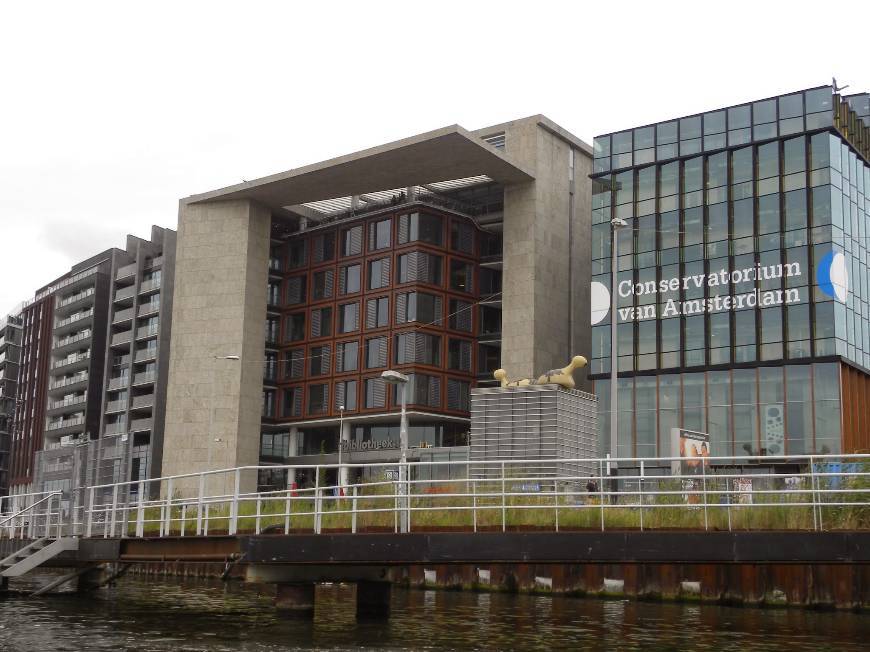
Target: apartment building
{"x":10,"y":359}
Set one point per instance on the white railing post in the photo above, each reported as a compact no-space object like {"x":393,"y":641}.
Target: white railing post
{"x":474,"y":504}
{"x":234,"y":507}
{"x":199,"y":497}
{"x":168,"y":528}
{"x":407,"y":493}
{"x":556,"y":501}
{"x":503,"y":501}
{"x":257,"y":519}
{"x":30,"y":523}
{"x":317,"y":500}
{"x":48,"y":516}
{"x":114,"y":510}
{"x":90,"y":513}
{"x":288,"y":508}
{"x":353,"y":511}
{"x":640,"y":485}
{"x":140,"y":511}
{"x":814,"y":495}
{"x":704,"y":488}
{"x":601,"y":491}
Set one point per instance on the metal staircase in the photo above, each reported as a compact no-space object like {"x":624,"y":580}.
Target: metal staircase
{"x":35,"y":554}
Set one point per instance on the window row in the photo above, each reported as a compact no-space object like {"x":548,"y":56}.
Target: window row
{"x":378,"y":235}
{"x":413,"y":267}
{"x":371,"y":393}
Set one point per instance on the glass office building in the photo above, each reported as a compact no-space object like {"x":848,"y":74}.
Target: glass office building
{"x":742,"y":281}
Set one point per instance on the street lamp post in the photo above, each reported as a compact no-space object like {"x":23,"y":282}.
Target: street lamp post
{"x":401,"y":380}
{"x":340,"y":435}
{"x":617,"y":224}
{"x":211,"y":438}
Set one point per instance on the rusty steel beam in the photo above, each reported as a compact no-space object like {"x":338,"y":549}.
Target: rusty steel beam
{"x":180,"y":549}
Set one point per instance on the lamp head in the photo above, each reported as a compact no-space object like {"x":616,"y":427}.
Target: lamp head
{"x":394,"y":377}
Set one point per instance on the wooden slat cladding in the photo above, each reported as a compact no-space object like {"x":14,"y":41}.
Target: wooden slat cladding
{"x":855,"y":402}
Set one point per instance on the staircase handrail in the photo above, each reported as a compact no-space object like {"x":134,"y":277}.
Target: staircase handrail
{"x":20,"y":512}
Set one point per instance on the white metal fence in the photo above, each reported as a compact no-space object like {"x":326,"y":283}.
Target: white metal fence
{"x":801,"y":492}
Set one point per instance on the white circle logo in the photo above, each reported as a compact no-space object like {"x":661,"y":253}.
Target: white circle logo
{"x":600,"y":300}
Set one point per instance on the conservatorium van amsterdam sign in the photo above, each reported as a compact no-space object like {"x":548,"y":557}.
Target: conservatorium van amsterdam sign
{"x":717,"y":303}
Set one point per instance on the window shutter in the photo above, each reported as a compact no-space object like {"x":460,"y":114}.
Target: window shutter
{"x":382,"y":351}
{"x":339,"y":357}
{"x":439,"y":311}
{"x":355,"y":241}
{"x":465,"y":356}
{"x":315,"y":323}
{"x":373,"y":229}
{"x":339,"y":395}
{"x":326,"y":359}
{"x":342,"y":280}
{"x":355,"y":316}
{"x":404,"y":228}
{"x":297,"y":402}
{"x":297,"y":361}
{"x":463,"y":316}
{"x":328,"y":283}
{"x":402,"y":308}
{"x":434,"y":397}
{"x":371,"y":313}
{"x":317,"y":249}
{"x":419,"y":350}
{"x":296,"y":290}
{"x":385,"y":272}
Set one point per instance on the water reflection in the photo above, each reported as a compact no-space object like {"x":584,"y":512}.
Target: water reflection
{"x":204,"y":615}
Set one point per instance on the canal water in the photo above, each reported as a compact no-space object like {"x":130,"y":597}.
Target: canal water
{"x":179,"y":615}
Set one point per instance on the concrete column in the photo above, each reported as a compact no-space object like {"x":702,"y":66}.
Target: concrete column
{"x":294,"y":599}
{"x":221,"y":275}
{"x":294,"y":450}
{"x":94,"y":578}
{"x":373,"y":599}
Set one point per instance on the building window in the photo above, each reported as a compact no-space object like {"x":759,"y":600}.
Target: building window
{"x":323,"y":247}
{"x":345,"y":395}
{"x":294,"y":363}
{"x":459,"y":355}
{"x":295,"y":327}
{"x":273,"y":294}
{"x":461,"y":236}
{"x":458,"y":395}
{"x":420,"y":227}
{"x":351,"y":241}
{"x":292,"y":404}
{"x":348,"y":317}
{"x":490,"y":279}
{"x":378,"y":312}
{"x":346,"y":356}
{"x":272,"y":330}
{"x":268,"y":404}
{"x":297,"y":254}
{"x":419,"y":267}
{"x":460,"y":315}
{"x":322,"y":285}
{"x":420,"y":348}
{"x":376,"y":352}
{"x":376,"y":393}
{"x":296,"y":290}
{"x":490,"y":320}
{"x":422,"y":390}
{"x":418,"y":306}
{"x":348,"y":279}
{"x":318,"y":396}
{"x":321,"y":322}
{"x":379,"y":234}
{"x":379,"y":273}
{"x":319,"y":360}
{"x":461,"y":275}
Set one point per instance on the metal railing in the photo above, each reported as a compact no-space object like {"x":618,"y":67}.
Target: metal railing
{"x":30,"y":516}
{"x":810,"y":492}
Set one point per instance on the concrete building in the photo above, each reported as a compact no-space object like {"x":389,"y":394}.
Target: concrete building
{"x":742,"y":277}
{"x":10,"y":359}
{"x":93,"y":370}
{"x":492,"y":223}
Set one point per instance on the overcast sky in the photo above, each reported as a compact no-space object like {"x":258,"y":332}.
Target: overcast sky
{"x":110,"y":112}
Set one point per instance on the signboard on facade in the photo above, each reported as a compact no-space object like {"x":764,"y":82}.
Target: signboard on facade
{"x":693,"y":449}
{"x":369,"y":445}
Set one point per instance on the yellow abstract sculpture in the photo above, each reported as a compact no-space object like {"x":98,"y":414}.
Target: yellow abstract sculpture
{"x":563,"y":376}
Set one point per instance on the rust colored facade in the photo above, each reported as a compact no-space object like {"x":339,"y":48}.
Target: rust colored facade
{"x":395,"y":290}
{"x":855,"y":387}
{"x":37,"y":318}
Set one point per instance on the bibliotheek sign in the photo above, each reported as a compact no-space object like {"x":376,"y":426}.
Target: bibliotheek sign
{"x":832,"y":280}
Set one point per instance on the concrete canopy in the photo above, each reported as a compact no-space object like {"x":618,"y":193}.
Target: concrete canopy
{"x":440,"y":155}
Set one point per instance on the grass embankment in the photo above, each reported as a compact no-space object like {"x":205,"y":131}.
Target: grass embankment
{"x":674,"y":507}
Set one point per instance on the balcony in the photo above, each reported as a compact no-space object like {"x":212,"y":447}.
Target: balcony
{"x":144,"y":401}
{"x":75,"y":298}
{"x":122,"y":315}
{"x":123,"y":294}
{"x":121,"y":360}
{"x":149,"y":286}
{"x":144,"y":377}
{"x":74,"y":318}
{"x":155,"y":262}
{"x":69,"y":382}
{"x":143,"y":355}
{"x":115,"y":428}
{"x":118,"y":382}
{"x":124,"y":337}
{"x":70,"y":340}
{"x":148,"y":331}
{"x":149,"y":308}
{"x":126,"y":271}
{"x":67,"y":402}
{"x":138,"y":425}
{"x":64,"y":424}
{"x":72,"y":360}
{"x":116,"y":406}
